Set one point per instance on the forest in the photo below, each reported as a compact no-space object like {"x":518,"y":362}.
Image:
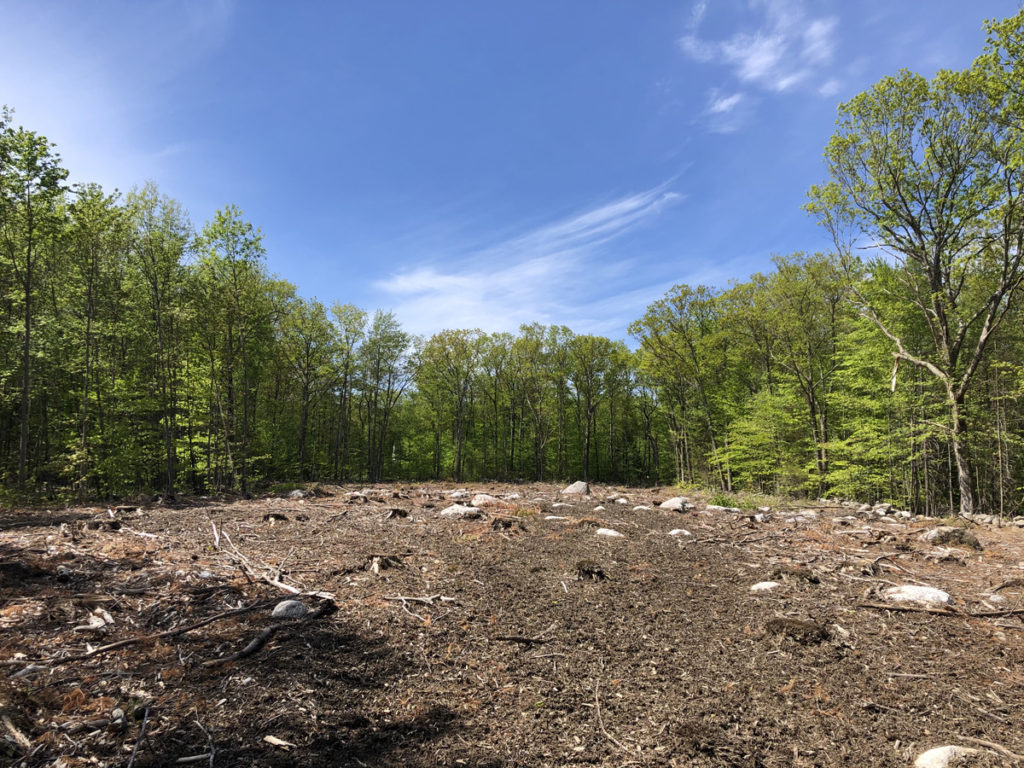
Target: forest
{"x":140,"y":353}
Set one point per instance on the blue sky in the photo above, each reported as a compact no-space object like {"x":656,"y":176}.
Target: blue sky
{"x":476,"y":164}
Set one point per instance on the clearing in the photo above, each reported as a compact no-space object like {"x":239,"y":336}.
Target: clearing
{"x":524,"y":634}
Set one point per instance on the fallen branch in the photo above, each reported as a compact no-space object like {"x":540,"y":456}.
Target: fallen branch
{"x":425,"y":600}
{"x":142,"y":734}
{"x":996,"y":748}
{"x":325,"y":608}
{"x":246,"y":566}
{"x":944,"y":611}
{"x":600,"y":720}
{"x":521,"y":639}
{"x":19,"y":737}
{"x":144,"y":638}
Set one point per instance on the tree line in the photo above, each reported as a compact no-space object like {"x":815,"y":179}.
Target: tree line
{"x":138,"y":353}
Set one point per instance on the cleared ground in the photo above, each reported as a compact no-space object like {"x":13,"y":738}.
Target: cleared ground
{"x":510,"y":639}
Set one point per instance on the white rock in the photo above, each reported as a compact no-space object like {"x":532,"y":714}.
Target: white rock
{"x":607,"y":532}
{"x":298,"y":493}
{"x":765,"y":586}
{"x":764,"y":509}
{"x":675,"y":504}
{"x":562,"y":505}
{"x":621,"y":500}
{"x":512,"y":496}
{"x":716,"y":508}
{"x":943,"y":757}
{"x":759,"y":518}
{"x":555,"y":517}
{"x":485,"y":500}
{"x":596,"y":509}
{"x":917,"y":594}
{"x":289,"y":609}
{"x":679,"y":532}
{"x":904,"y":514}
{"x":997,"y":599}
{"x":578,"y":488}
{"x":460,"y":510}
{"x":461,"y":493}
{"x":641,"y":508}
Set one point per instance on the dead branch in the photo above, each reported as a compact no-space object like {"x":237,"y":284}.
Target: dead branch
{"x":943,"y":611}
{"x":19,"y":737}
{"x":325,"y":608}
{"x":145,"y":638}
{"x":600,"y":720}
{"x":995,"y":747}
{"x":142,"y":734}
{"x":266,"y":574}
{"x":425,"y":600}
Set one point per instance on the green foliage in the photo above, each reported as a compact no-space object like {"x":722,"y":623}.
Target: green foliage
{"x":137,"y":354}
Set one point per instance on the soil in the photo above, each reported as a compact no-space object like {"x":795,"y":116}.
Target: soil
{"x":507,"y":640}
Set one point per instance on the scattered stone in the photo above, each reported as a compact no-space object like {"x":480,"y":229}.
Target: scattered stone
{"x":298,"y":493}
{"x":759,"y":518}
{"x":513,"y":496}
{"x":621,"y":500}
{"x":1019,"y":522}
{"x":944,"y":757}
{"x":881,"y":509}
{"x":903,"y":514}
{"x":802,"y":631}
{"x":951,"y":535}
{"x":588,"y":570}
{"x":608,"y":532}
{"x":563,"y":505}
{"x":913,"y":593}
{"x":679,"y":532}
{"x":675,"y":504}
{"x":357,"y":497}
{"x":555,"y":517}
{"x":864,"y":509}
{"x":578,"y":488}
{"x":765,"y":586}
{"x":486,"y":500}
{"x":460,"y":510}
{"x":289,"y":609}
{"x":717,"y":508}
{"x":764,"y":509}
{"x":460,"y":493}
{"x":596,"y":509}
{"x":641,"y":508}
{"x":803,"y":516}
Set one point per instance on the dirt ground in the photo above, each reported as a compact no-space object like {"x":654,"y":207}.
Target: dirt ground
{"x":522,"y":637}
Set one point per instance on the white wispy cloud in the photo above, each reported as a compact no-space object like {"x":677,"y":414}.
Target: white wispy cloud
{"x":723,"y":104}
{"x":82,"y":95}
{"x":552,"y":274}
{"x":785,"y":49}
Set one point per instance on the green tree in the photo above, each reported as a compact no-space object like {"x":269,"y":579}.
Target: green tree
{"x":928,"y":172}
{"x":31,"y":192}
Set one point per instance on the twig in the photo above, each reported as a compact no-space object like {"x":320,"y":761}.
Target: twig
{"x":944,"y":611}
{"x":19,"y":737}
{"x":247,"y":568}
{"x":145,"y":638}
{"x":600,"y":720}
{"x":194,"y":758}
{"x":326,"y":608}
{"x":910,"y":609}
{"x":426,"y":600}
{"x":142,"y":734}
{"x":997,"y":747}
{"x":521,"y":639}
